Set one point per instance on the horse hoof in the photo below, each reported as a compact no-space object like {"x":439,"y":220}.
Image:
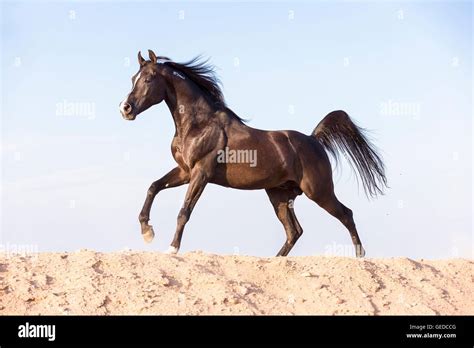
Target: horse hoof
{"x":148,"y":234}
{"x":360,"y":252}
{"x":171,"y":250}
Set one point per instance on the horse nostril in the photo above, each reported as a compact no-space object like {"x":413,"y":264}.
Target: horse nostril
{"x":127,"y":107}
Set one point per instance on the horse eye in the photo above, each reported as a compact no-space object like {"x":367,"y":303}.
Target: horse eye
{"x":148,"y":80}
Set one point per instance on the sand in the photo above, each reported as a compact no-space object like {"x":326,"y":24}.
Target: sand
{"x":88,"y":282}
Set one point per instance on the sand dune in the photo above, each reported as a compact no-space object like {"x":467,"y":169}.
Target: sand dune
{"x":88,"y":282}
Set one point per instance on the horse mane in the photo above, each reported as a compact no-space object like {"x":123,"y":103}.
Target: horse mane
{"x":204,"y":76}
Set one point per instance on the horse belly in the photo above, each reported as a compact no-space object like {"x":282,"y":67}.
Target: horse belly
{"x":255,"y":160}
{"x":244,"y":176}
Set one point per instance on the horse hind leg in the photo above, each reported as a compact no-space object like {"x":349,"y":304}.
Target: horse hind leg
{"x":331,"y":204}
{"x":296,"y":223}
{"x":282,"y":201}
{"x":344,"y":215}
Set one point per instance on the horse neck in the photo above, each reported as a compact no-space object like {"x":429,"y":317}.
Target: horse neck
{"x":187,"y":104}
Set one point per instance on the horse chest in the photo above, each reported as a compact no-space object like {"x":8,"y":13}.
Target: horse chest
{"x":176,"y":151}
{"x":180,"y":154}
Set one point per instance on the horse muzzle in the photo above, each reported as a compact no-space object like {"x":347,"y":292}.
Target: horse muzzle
{"x":126,"y":109}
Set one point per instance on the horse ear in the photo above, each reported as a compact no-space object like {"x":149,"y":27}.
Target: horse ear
{"x":141,"y":60}
{"x":152,"y":56}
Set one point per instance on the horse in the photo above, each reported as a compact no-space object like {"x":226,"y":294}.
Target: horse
{"x":288,"y":163}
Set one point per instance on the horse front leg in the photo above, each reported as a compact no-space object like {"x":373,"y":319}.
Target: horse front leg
{"x":176,"y":177}
{"x":197,"y":183}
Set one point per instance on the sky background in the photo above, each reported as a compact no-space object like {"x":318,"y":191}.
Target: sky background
{"x":74,"y":181}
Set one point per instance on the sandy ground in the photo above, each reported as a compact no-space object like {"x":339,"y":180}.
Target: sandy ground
{"x":88,"y":282}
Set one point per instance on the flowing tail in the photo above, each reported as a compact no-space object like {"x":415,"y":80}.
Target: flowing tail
{"x":337,"y":133}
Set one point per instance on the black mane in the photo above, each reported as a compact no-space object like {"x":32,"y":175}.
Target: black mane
{"x":204,"y":76}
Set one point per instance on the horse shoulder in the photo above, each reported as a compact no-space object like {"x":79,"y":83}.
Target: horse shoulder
{"x":204,"y":144}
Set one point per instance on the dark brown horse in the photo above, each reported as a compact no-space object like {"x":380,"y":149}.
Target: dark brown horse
{"x":214,"y":145}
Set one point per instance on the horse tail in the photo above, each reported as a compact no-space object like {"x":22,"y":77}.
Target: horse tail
{"x":338,"y":133}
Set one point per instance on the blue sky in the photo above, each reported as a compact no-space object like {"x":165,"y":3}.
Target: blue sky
{"x":401,"y":69}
